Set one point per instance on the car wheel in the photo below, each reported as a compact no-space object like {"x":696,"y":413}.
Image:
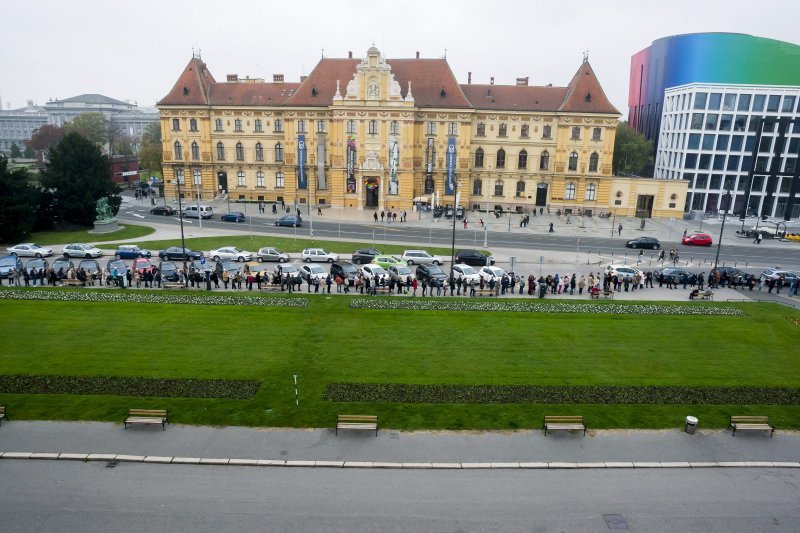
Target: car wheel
{"x":117,"y":256}
{"x":241,"y":259}
{"x":656,"y":246}
{"x":38,"y":255}
{"x":357,"y":261}
{"x":216,"y":258}
{"x":410,"y":262}
{"x":708,"y":244}
{"x":260,"y":259}
{"x":436,"y":263}
{"x":281,"y":260}
{"x":277,"y":224}
{"x":307,"y":259}
{"x":330,"y":260}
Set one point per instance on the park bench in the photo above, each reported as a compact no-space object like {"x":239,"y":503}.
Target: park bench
{"x":367,"y":422}
{"x":173,"y":285}
{"x":707,"y":295}
{"x":276,"y":287}
{"x":66,"y":282}
{"x":486,"y":291}
{"x":751,"y":423}
{"x":2,"y":414}
{"x":146,"y":416}
{"x":566,"y":423}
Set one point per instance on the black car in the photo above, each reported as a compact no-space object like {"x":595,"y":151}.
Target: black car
{"x":344,"y":270}
{"x":365,"y":256}
{"x":179,"y":254}
{"x":61,"y":266}
{"x":164,"y":210}
{"x":427,"y":273}
{"x":231,"y":267}
{"x":119,"y":264}
{"x":91,"y":266}
{"x":169,"y":271}
{"x":651,"y":243}
{"x":679,"y":275}
{"x":473,"y":258}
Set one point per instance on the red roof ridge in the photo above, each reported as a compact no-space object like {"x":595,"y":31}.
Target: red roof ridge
{"x":585,"y":94}
{"x":192,"y":87}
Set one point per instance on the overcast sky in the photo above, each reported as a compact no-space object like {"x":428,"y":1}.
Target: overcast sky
{"x":136,"y":50}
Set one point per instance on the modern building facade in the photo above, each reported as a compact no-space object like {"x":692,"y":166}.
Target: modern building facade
{"x":377,"y":133}
{"x":724,"y":109}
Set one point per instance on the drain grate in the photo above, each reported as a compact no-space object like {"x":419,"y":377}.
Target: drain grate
{"x":394,"y":435}
{"x":111,"y":464}
{"x":615,"y":521}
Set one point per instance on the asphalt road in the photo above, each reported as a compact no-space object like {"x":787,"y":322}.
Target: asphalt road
{"x":73,"y":496}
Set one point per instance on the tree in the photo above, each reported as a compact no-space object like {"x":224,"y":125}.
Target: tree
{"x":122,"y":145}
{"x":19,"y":202}
{"x":28,"y":154}
{"x":78,"y":175}
{"x":92,"y":126}
{"x":632,"y":151}
{"x":150,"y":152}
{"x":15,"y":151}
{"x":44,"y":139}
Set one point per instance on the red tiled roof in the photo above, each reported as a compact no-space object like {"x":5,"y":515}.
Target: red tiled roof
{"x":515,"y":97}
{"x":192,"y":85}
{"x":432,"y":82}
{"x":585,"y":95}
{"x":251,"y":93}
{"x":323,"y":80}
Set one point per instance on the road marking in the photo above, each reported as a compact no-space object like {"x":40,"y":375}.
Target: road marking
{"x":137,"y":215}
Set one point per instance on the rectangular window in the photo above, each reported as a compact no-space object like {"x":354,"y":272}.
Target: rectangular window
{"x":258,"y":126}
{"x":373,"y":127}
{"x":694,"y":141}
{"x":761,"y":164}
{"x":725,"y":122}
{"x":697,"y":121}
{"x":301,"y":126}
{"x":481,"y":129}
{"x":351,"y":126}
{"x":708,"y":141}
{"x":711,"y":121}
{"x":321,"y":126}
{"x":193,"y":124}
{"x":729,"y":102}
{"x":714,"y":101}
{"x":279,"y":180}
{"x":176,"y":124}
{"x":477,"y":187}
{"x":746,"y":160}
{"x":719,"y":162}
{"x":758,"y":103}
{"x":766,"y":145}
{"x":394,"y":128}
{"x":596,"y":134}
{"x":722,"y":142}
{"x":700,"y":100}
{"x":690,"y":162}
{"x":740,"y":123}
{"x":452,"y":128}
{"x":198,"y":177}
{"x":773,"y":103}
{"x":278,"y":123}
{"x":758,"y":184}
{"x":749,"y":143}
{"x":524,"y":131}
{"x":431,"y":128}
{"x":237,"y":125}
{"x":744,"y":102}
{"x":788,"y":104}
{"x":576,"y":133}
{"x":218,"y":124}
{"x":716,"y":181}
{"x":705,"y":162}
{"x":733,"y":163}
{"x":702,"y":181}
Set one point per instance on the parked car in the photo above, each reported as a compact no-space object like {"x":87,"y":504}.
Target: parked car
{"x":318,"y":255}
{"x":465,"y":273}
{"x":90,"y":266}
{"x":427,"y":273}
{"x":285,"y":269}
{"x":776,"y":273}
{"x":363,"y":256}
{"x":38,"y":264}
{"x":623,"y":271}
{"x":375,"y":272}
{"x":60,"y":266}
{"x":130,"y":251}
{"x":195,"y":211}
{"x":233,"y":216}
{"x":9,"y":263}
{"x":255,"y":267}
{"x":142,"y":265}
{"x":473,"y":258}
{"x":271,"y":254}
{"x":163,"y":210}
{"x":730,"y":272}
{"x":179,"y":254}
{"x":290,"y":221}
{"x":231,"y":267}
{"x":80,"y":249}
{"x":697,"y":239}
{"x":312,"y":271}
{"x":385,"y":260}
{"x":399,"y":272}
{"x":420,"y":257}
{"x":651,"y":243}
{"x":679,"y":275}
{"x":169,"y":271}
{"x":112,"y":264}
{"x":29,"y":249}
{"x":230,"y":253}
{"x":491,"y":272}
{"x":344,"y":270}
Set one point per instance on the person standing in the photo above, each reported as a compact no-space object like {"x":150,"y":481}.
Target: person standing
{"x":619,"y":230}
{"x":375,"y":216}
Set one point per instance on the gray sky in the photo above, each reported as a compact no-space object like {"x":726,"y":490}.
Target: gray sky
{"x":136,"y":50}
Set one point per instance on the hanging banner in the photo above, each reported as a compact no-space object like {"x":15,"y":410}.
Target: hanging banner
{"x":430,"y":155}
{"x":351,"y":164}
{"x":394,"y":156}
{"x":302,"y":181}
{"x":322,"y":181}
{"x":450,"y":184}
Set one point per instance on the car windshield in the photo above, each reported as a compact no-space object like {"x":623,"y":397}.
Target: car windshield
{"x":168,"y":267}
{"x":348,"y":268}
{"x":36,"y":263}
{"x":118,"y":264}
{"x":316,"y":269}
{"x":403,"y":271}
{"x":288,"y":268}
{"x":435,"y":270}
{"x":468,"y":270}
{"x":8,"y":261}
{"x":60,"y":263}
{"x":236,"y":250}
{"x":378,"y":271}
{"x":143,"y":264}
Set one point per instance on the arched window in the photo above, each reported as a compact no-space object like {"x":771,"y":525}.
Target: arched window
{"x":520,"y":188}
{"x":220,"y":151}
{"x":198,"y":176}
{"x":477,"y":187}
{"x":178,"y":151}
{"x":498,"y":188}
{"x":259,"y":152}
{"x":479,"y":158}
{"x":569,"y":193}
{"x":544,"y":160}
{"x":501,"y":158}
{"x":195,"y":151}
{"x":573,"y":161}
{"x":429,"y":185}
{"x":259,"y":179}
{"x":591,"y":191}
{"x":522,"y":160}
{"x":278,"y":152}
{"x":239,"y":152}
{"x":594,"y":159}
{"x":279,"y":180}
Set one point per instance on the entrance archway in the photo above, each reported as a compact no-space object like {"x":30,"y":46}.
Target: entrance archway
{"x":371,"y":188}
{"x":541,"y":195}
{"x":222,"y":181}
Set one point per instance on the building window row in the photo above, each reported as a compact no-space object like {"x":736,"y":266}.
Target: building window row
{"x":771,"y":103}
{"x":239,"y":151}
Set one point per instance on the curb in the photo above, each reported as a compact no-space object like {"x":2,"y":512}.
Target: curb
{"x":552,"y":465}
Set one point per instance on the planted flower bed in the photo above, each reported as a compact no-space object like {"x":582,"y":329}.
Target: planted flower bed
{"x":148,"y":298}
{"x":559,"y":394}
{"x":419,"y":304}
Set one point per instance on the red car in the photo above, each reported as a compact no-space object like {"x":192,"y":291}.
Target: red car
{"x":142,"y":265}
{"x":697,"y":239}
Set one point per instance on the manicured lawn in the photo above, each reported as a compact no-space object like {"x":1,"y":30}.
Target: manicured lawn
{"x":130,"y":231}
{"x":330,"y":342}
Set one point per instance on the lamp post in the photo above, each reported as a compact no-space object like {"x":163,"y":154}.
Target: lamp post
{"x":180,"y":218}
{"x":726,"y":201}
{"x":455,"y":211}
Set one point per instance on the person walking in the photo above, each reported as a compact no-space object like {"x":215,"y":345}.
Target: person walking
{"x":375,"y":216}
{"x":619,"y":230}
{"x":551,"y":228}
{"x":757,"y":240}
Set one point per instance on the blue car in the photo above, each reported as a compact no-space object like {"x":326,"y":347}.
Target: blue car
{"x":233,"y":216}
{"x":130,"y":251}
{"x":8,"y":263}
{"x":290,"y":221}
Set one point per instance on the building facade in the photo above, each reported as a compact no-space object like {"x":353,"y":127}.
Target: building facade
{"x":377,"y":133}
{"x":723,"y":109}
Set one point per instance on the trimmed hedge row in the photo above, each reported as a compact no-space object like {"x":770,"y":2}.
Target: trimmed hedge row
{"x":559,"y":394}
{"x":124,"y":386}
{"x":146,"y":297}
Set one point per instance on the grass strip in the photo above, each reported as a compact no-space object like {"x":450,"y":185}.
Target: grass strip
{"x":118,"y":296}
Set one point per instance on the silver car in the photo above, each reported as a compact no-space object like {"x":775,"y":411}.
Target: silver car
{"x":29,"y":249}
{"x":271,"y":254}
{"x":80,"y":249}
{"x":231,"y":253}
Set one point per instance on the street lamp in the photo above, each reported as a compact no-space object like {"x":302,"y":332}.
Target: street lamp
{"x":180,"y":218}
{"x":726,"y":202}
{"x":455,"y":215}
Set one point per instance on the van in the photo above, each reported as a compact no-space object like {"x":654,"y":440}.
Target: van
{"x":194,"y":211}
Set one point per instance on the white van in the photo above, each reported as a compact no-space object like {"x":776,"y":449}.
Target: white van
{"x":194,"y":211}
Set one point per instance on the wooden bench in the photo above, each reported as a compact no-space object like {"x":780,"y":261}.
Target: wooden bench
{"x":486,"y":291}
{"x":271,"y":287}
{"x":567,"y":423}
{"x":66,"y":282}
{"x":173,"y":285}
{"x":367,"y":422}
{"x":146,"y":416}
{"x":2,"y":414}
{"x":607,"y":294}
{"x":381,"y":289}
{"x":751,"y":423}
{"x":708,"y":295}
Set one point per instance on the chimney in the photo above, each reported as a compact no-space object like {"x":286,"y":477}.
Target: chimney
{"x":491,"y":80}
{"x":277,"y":78}
{"x":233,"y":78}
{"x":469,"y":78}
{"x":417,"y":54}
{"x":523,"y":81}
{"x":350,"y":54}
{"x":303,"y":78}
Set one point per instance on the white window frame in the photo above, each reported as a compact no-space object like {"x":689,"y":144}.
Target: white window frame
{"x":198,"y":176}
{"x":279,"y":180}
{"x":241,"y":179}
{"x":259,"y":179}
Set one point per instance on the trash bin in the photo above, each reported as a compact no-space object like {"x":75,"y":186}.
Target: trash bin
{"x":691,"y":424}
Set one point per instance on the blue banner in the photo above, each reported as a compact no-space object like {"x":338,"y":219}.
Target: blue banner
{"x":302,"y":181}
{"x":450,"y":183}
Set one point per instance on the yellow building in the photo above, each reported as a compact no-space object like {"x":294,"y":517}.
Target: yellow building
{"x":374,"y":134}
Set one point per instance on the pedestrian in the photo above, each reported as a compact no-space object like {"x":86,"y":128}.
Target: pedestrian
{"x":319,"y":210}
{"x":581,"y":284}
{"x":640,"y":256}
{"x":383,"y":214}
{"x":684,"y":233}
{"x":641,"y":225}
{"x":572,"y":285}
{"x":375,"y":216}
{"x":414,"y":287}
{"x":394,"y":216}
{"x":619,"y":229}
{"x":757,"y":240}
{"x":465,"y":222}
{"x":551,"y":227}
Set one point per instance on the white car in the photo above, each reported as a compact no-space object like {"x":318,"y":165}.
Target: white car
{"x":465,"y":273}
{"x":421,"y":257}
{"x":373,"y":271}
{"x":80,"y":249}
{"x":271,"y":254}
{"x":313,"y":271}
{"x":491,"y":272}
{"x":318,"y":255}
{"x":29,"y":249}
{"x":623,"y":271}
{"x":230,"y":253}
